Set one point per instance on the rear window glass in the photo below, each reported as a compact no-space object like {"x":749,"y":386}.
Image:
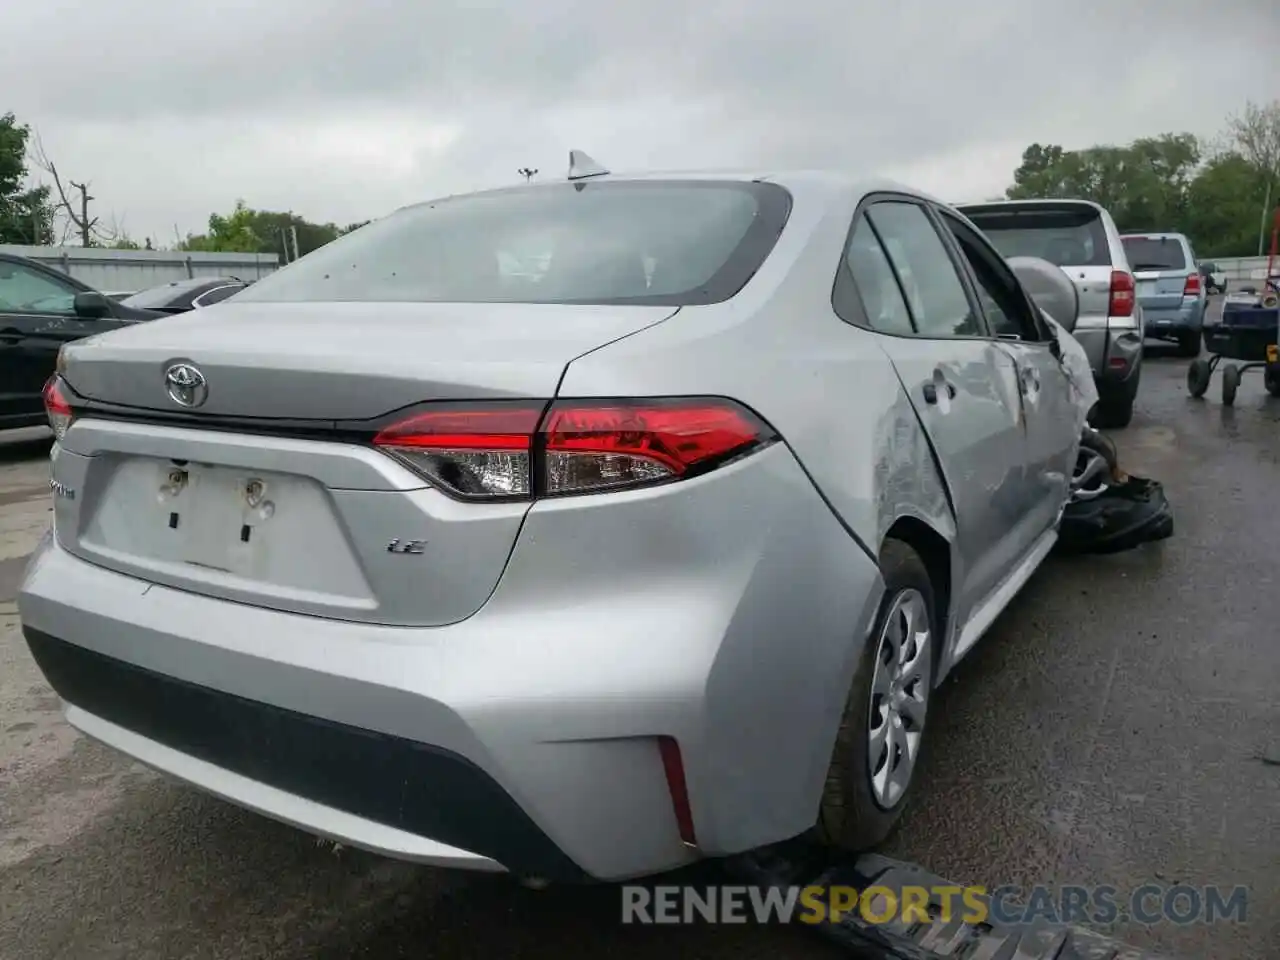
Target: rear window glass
{"x":164,"y":295}
{"x":606,"y":242}
{"x":1066,"y":236}
{"x":1154,"y":253}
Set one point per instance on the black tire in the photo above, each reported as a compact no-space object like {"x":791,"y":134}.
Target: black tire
{"x":1271,"y":379}
{"x":1230,"y":384}
{"x":1113,"y":413}
{"x":1189,"y":344}
{"x":1198,"y":374}
{"x":850,"y":818}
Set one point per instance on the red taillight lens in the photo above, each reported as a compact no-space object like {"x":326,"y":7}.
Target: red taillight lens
{"x":511,"y":451}
{"x":1121,"y":294}
{"x":1192,"y":287}
{"x":481,"y":452}
{"x":598,"y":446}
{"x":56,"y":406}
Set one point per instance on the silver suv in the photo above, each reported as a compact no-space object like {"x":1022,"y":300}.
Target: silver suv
{"x":1081,"y":238}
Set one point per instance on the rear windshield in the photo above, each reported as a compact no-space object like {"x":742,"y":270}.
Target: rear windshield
{"x":1154,"y":253}
{"x":164,"y":295}
{"x":601,"y":242}
{"x":1065,"y":236}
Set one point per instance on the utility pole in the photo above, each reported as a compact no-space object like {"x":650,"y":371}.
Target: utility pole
{"x":1266,"y":213}
{"x":528,"y":173}
{"x":293,"y":231}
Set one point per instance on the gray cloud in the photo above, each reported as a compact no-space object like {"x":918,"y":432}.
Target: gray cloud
{"x":341,"y":110}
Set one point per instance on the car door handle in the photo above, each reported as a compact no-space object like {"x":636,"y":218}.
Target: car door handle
{"x":931,"y":392}
{"x":10,"y":339}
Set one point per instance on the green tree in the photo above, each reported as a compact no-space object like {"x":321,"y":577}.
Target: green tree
{"x":26,"y":215}
{"x":1254,"y":134}
{"x":1223,"y":206}
{"x":233,"y":233}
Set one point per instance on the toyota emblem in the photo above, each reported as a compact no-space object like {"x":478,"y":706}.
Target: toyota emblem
{"x":186,"y":385}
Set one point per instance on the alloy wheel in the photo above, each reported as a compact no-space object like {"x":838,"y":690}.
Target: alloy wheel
{"x":900,"y":687}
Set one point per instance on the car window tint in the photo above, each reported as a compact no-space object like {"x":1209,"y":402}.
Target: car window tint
{"x":877,"y":287}
{"x":1067,"y":236}
{"x":1155,"y":253}
{"x":604,"y":242}
{"x":1006,"y":309}
{"x":24,"y":289}
{"x":937,"y":298}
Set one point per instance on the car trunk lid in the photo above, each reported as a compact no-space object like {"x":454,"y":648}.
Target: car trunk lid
{"x":269,"y":493}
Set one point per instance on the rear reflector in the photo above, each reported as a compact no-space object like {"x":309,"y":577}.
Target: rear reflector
{"x":1122,"y":294}
{"x":56,"y":407}
{"x":515,"y":451}
{"x":1192,"y":287}
{"x":673,"y":767}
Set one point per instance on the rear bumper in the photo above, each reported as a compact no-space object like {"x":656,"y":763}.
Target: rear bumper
{"x":1170,"y":321}
{"x":1114,"y":354}
{"x":726,"y":612}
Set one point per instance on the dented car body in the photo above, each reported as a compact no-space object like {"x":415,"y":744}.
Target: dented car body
{"x":649,"y":546}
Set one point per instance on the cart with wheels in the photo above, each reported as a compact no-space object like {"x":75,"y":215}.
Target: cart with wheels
{"x":1249,"y":332}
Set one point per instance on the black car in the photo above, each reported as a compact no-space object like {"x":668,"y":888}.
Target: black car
{"x":179,"y":296}
{"x":41,"y":309}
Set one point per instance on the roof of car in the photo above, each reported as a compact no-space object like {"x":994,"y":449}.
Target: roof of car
{"x":795,"y":180}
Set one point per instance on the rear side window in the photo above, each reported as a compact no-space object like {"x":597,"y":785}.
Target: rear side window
{"x":1067,"y":236}
{"x":935,"y":294}
{"x":602,"y":242}
{"x":1155,"y":253}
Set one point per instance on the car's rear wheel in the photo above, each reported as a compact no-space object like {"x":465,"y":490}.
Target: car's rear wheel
{"x":878,"y":747}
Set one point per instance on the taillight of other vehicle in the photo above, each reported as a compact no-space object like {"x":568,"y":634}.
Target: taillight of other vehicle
{"x":514,"y":452}
{"x":56,"y":407}
{"x":1122,"y":294}
{"x":1192,"y":287}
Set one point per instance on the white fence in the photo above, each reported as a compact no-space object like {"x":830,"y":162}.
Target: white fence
{"x":1243,"y":268}
{"x":128,"y":271}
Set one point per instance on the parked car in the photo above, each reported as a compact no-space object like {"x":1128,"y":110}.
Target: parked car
{"x":654,"y":555}
{"x":1170,"y":289}
{"x":179,"y":296}
{"x":40,"y":310}
{"x":1082,"y":239}
{"x":1213,"y":277}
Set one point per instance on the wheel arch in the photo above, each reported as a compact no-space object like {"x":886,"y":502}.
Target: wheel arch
{"x":935,"y":551}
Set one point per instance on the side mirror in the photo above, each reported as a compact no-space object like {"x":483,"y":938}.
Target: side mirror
{"x":1050,"y":288}
{"x":92,"y":305}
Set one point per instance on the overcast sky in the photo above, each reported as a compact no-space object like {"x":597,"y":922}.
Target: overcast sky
{"x":346,"y":110}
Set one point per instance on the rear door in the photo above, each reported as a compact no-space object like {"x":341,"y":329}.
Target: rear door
{"x":961,"y":384}
{"x":1048,"y":414}
{"x":37,"y":316}
{"x":1161,"y":266}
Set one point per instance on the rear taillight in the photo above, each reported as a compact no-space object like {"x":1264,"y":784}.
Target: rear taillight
{"x":56,"y":407}
{"x":483,"y":452}
{"x":1192,"y":287}
{"x":516,"y":451}
{"x":1121,"y":304}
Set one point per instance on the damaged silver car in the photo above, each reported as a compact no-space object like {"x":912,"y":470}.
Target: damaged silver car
{"x":579,"y":529}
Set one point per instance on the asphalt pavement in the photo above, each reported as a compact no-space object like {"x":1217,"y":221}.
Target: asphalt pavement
{"x":1120,"y":725}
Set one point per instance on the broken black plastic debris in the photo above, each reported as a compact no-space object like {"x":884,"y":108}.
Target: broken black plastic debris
{"x":1122,"y":517}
